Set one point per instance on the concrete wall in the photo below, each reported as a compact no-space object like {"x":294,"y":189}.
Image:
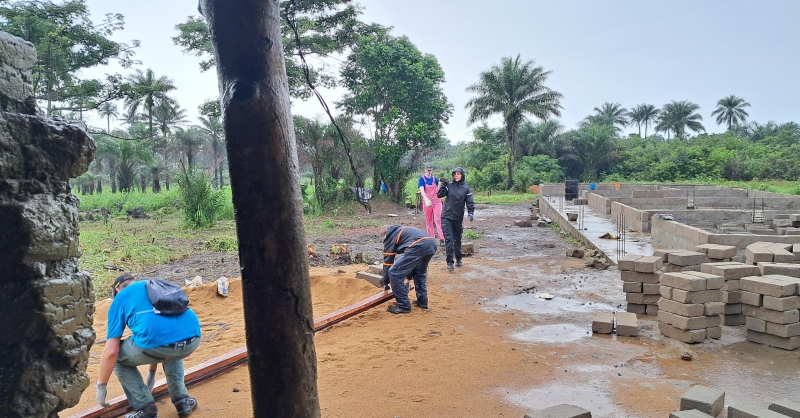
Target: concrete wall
{"x":717,"y":216}
{"x":672,"y":234}
{"x":636,"y":219}
{"x":546,"y":209}
{"x":599,"y":203}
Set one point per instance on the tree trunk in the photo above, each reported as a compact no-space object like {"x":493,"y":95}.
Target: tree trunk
{"x":268,"y":204}
{"x":512,"y":154}
{"x":99,"y":186}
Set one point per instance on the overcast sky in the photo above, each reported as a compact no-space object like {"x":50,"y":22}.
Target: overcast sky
{"x":626,"y":51}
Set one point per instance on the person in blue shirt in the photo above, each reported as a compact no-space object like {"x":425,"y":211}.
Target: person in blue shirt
{"x":155,"y":339}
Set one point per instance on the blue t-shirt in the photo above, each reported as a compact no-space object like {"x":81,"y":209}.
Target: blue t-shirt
{"x":132,"y":308}
{"x":427,"y":181}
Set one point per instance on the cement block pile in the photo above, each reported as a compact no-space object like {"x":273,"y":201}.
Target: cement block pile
{"x":769,"y":252}
{"x":641,"y":276}
{"x":717,"y":253}
{"x":786,"y":224}
{"x":731,"y":272}
{"x":683,"y":260}
{"x":770,"y":305}
{"x":690,"y":306}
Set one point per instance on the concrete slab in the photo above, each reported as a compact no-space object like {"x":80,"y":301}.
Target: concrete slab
{"x":785,"y":269}
{"x":722,"y":251}
{"x":689,"y":337}
{"x":750,"y":298}
{"x":684,"y":309}
{"x":704,"y":399}
{"x":641,"y":298}
{"x":781,"y":304}
{"x":687,"y":258}
{"x":603,"y":323}
{"x":375,"y":279}
{"x":632,"y":276}
{"x":757,"y":254}
{"x":627,"y":324}
{"x":560,"y":411}
{"x":376,"y":269}
{"x":632,"y":287}
{"x":783,"y":330}
{"x":751,"y":411}
{"x":689,"y":323}
{"x":626,"y":263}
{"x":713,"y":281}
{"x":692,"y":413}
{"x":791,"y":343}
{"x":648,"y":264}
{"x":701,"y":296}
{"x":755,"y":324}
{"x":786,"y":406}
{"x":769,"y":315}
{"x":683,"y":281}
{"x":768,"y":285}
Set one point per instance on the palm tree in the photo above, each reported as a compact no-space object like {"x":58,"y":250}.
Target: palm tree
{"x":609,"y":114}
{"x":539,"y":138}
{"x":513,"y":89}
{"x":212,"y":125}
{"x":108,"y":110}
{"x":730,"y":110}
{"x":678,"y":116}
{"x":125,"y":157}
{"x":190,"y":141}
{"x":643,"y":114}
{"x":149,"y":92}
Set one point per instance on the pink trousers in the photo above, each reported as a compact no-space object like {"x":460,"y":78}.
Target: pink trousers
{"x":433,"y":214}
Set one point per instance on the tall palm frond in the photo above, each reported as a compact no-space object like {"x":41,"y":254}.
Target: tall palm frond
{"x":730,"y":110}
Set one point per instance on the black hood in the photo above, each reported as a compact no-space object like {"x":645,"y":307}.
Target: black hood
{"x":460,"y":170}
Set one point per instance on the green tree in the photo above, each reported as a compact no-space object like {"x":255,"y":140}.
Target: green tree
{"x":399,"y":89}
{"x":125,"y":157}
{"x":211,"y":123}
{"x":730,"y":110}
{"x":539,"y":138}
{"x":513,"y":89}
{"x":325,"y":28}
{"x":609,"y":114}
{"x":108,"y":110}
{"x":678,"y":116}
{"x":148,"y":92}
{"x":67,"y":42}
{"x":189,"y":141}
{"x":594,"y":147}
{"x":643,"y":114}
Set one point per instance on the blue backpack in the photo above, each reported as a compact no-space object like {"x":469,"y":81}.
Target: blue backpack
{"x":166,"y":297}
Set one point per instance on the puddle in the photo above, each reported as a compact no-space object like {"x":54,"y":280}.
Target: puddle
{"x":528,"y":302}
{"x":590,"y":398}
{"x":559,"y":333}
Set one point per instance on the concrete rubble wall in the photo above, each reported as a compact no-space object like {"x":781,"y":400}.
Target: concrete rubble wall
{"x":46,"y":304}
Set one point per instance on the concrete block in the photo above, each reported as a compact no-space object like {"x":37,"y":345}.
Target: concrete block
{"x":733,"y":320}
{"x":687,"y":258}
{"x":703,"y":248}
{"x":467,"y":248}
{"x":560,"y":411}
{"x":722,"y":251}
{"x":783,"y":330}
{"x":632,"y":276}
{"x":706,"y":267}
{"x":683,"y":281}
{"x":734,"y":296}
{"x":703,"y":399}
{"x":633,"y":287}
{"x":786,"y":406}
{"x":714,"y":332}
{"x":525,"y":223}
{"x":701,"y":296}
{"x":683,"y":309}
{"x":375,"y":279}
{"x":782,"y":256}
{"x":733,"y":271}
{"x":772,"y":285}
{"x":750,"y":298}
{"x":627,"y":324}
{"x":691,"y":413}
{"x":651,"y":288}
{"x":715,"y":308}
{"x":794,"y":218}
{"x":603,"y":323}
{"x":636,"y":308}
{"x":712,"y":281}
{"x":778,"y":317}
{"x":688,"y":323}
{"x":781,"y":304}
{"x":648,"y":264}
{"x":666,"y":292}
{"x":784,"y":269}
{"x":376,"y":269}
{"x":731,"y":285}
{"x":751,"y":411}
{"x":732,"y":309}
{"x":690,"y":337}
{"x":664,"y":253}
{"x":791,"y":343}
{"x":757,"y":254}
{"x":626,"y":263}
{"x":672,"y":268}
{"x":755,"y":324}
{"x":641,"y":298}
{"x":652,"y":309}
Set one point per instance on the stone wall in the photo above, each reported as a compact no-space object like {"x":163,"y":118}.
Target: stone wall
{"x":46,"y":304}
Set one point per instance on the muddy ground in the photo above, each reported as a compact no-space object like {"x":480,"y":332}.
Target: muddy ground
{"x":489,"y":346}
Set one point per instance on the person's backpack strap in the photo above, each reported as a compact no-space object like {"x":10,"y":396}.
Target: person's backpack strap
{"x":166,"y":297}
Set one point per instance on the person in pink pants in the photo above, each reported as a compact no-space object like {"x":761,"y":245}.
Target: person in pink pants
{"x":432,"y":205}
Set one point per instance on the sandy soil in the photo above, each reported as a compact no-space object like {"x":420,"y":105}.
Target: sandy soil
{"x":488,"y":346}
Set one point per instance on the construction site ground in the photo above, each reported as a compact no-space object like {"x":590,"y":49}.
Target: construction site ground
{"x":488,"y":346}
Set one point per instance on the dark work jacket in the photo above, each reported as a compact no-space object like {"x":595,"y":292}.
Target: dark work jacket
{"x":398,"y":239}
{"x":458,"y":194}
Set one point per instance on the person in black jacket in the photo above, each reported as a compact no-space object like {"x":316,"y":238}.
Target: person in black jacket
{"x":458,"y":195}
{"x":417,"y":248}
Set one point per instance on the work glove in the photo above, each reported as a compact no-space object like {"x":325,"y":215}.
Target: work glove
{"x":102,"y":392}
{"x":471,"y":218}
{"x":151,"y":380}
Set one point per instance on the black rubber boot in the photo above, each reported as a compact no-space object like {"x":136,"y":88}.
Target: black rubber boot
{"x":149,"y":411}
{"x":397,"y":310}
{"x":458,"y":263}
{"x":185,"y":406}
{"x":416,"y":303}
{"x":450,"y":267}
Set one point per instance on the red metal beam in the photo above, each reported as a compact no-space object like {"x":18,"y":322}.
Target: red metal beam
{"x":227,"y":361}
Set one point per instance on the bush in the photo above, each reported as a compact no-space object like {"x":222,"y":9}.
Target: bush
{"x":201,"y":204}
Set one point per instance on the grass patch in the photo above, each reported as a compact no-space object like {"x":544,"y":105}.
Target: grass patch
{"x":568,"y":237}
{"x":471,"y":234}
{"x":164,"y":203}
{"x":503,"y":198}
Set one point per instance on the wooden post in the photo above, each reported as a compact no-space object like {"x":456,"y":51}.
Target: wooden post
{"x":266,"y":197}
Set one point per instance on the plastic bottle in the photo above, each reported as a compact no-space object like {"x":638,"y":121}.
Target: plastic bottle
{"x":222,"y":286}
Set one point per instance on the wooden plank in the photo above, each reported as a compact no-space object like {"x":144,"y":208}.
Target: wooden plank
{"x":231,"y":359}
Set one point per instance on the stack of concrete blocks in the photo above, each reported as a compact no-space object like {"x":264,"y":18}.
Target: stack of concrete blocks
{"x":701,"y":402}
{"x":690,"y":306}
{"x":732,"y":272}
{"x":641,"y":276}
{"x":683,"y":260}
{"x":786,"y":224}
{"x":768,"y":252}
{"x":717,"y":253}
{"x":770,"y":305}
{"x":784,"y":269}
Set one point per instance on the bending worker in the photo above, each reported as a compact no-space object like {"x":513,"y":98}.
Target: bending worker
{"x":155,"y":339}
{"x":458,"y":195}
{"x":417,"y":248}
